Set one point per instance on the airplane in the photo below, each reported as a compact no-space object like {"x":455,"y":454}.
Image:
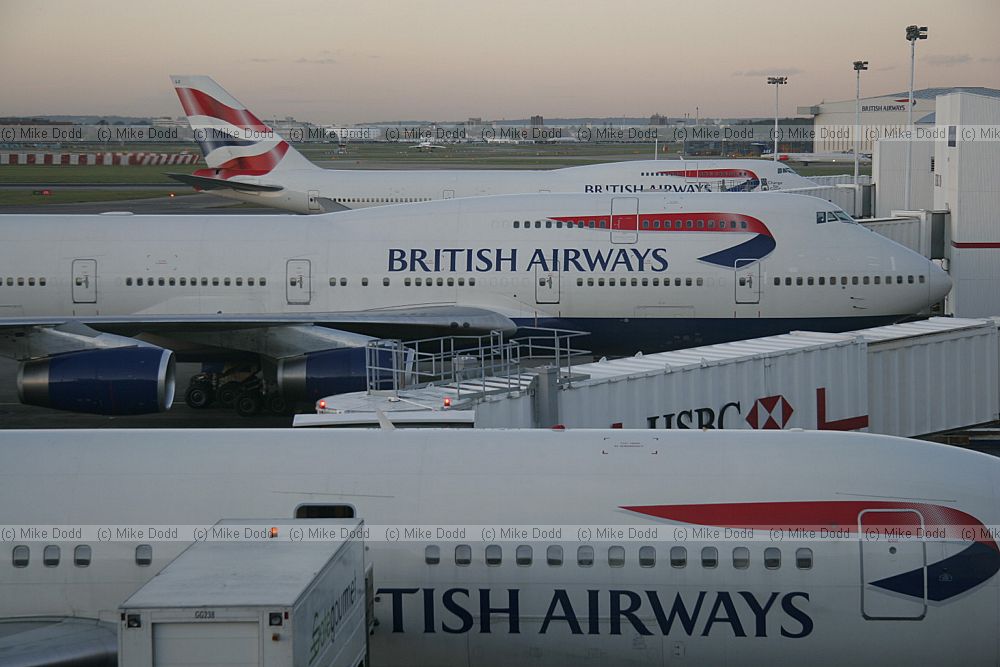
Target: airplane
{"x":426,"y":145}
{"x":248,"y":161}
{"x":302,"y":296}
{"x":845,"y":157}
{"x":607,"y":546}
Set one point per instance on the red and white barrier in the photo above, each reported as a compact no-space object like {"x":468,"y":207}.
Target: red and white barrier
{"x":107,"y":159}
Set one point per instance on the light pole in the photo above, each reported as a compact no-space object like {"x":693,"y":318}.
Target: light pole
{"x":776,"y":81}
{"x":859,"y":66}
{"x":913,"y":33}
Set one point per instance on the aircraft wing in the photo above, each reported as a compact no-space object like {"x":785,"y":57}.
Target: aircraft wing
{"x":402,"y":322}
{"x":125,"y":364}
{"x":58,"y":641}
{"x":208,"y":183}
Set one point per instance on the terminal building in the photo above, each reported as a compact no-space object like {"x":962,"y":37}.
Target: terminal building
{"x":882,"y":112}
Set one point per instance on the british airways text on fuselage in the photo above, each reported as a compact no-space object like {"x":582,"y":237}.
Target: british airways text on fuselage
{"x":655,"y":187}
{"x":702,"y":613}
{"x":584,"y":260}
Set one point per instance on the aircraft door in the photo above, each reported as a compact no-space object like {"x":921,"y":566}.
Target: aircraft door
{"x":624,"y":219}
{"x":747,"y":281}
{"x":893,"y":565}
{"x":691,"y":172}
{"x":547,"y":284}
{"x":448,"y":194}
{"x":84,"y":281}
{"x":314,"y":200}
{"x":298,"y":281}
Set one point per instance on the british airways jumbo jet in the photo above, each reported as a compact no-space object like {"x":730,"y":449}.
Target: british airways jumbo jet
{"x":247,"y":160}
{"x":535,"y":547}
{"x":649,"y":272}
{"x":639,"y":273}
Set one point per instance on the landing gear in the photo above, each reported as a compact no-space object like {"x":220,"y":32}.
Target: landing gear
{"x":228,"y":392}
{"x":199,"y":393}
{"x":242,"y":389}
{"x":249,"y":402}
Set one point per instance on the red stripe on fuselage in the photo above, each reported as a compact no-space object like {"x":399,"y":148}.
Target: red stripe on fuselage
{"x":815,"y":515}
{"x":709,"y":173}
{"x":647,"y":222}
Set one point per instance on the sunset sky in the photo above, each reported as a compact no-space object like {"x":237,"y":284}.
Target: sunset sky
{"x":332,"y":61}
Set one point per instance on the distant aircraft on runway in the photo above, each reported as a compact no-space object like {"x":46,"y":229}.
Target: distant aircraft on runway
{"x":426,"y":146}
{"x":247,"y":160}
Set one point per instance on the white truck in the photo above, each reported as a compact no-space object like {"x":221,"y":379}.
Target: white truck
{"x":259,"y":593}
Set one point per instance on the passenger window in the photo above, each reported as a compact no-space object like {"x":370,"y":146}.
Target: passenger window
{"x":647,"y":556}
{"x":899,"y":280}
{"x":788,"y":281}
{"x":809,"y":280}
{"x":798,"y":281}
{"x":777,"y":281}
{"x":804,"y":558}
{"x":772,"y":558}
{"x":21,"y":556}
{"x":333,"y":282}
{"x":82,"y":555}
{"x":878,"y":280}
{"x":143,"y":555}
{"x":364,"y":282}
{"x":385,"y":282}
{"x":432,"y":554}
{"x":678,"y":556}
{"x":343,"y":282}
{"x":50,"y":555}
{"x":554,"y":555}
{"x":263,"y":282}
{"x":854,"y":280}
{"x":523,"y":555}
{"x":865,"y":280}
{"x":909,"y":279}
{"x":709,"y":557}
{"x":128,"y":281}
{"x":463,"y":554}
{"x":822,"y":280}
{"x":741,"y":558}
{"x":585,"y":556}
{"x":494,"y":555}
{"x":517,"y":224}
{"x":616,"y":556}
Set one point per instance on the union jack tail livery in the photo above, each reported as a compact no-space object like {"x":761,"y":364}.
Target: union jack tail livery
{"x":234,"y":141}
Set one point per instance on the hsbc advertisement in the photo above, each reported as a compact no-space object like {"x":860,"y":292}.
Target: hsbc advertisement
{"x":813,"y":381}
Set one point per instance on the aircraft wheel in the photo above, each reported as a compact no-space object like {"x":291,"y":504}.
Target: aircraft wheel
{"x":249,"y":403}
{"x":276,"y":404}
{"x":227,"y":394}
{"x":198,"y":397}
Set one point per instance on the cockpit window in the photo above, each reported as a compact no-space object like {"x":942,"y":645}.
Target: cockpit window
{"x":843,"y":216}
{"x":786,"y":170}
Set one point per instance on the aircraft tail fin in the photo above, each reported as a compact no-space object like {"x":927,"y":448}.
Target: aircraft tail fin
{"x":233,"y":140}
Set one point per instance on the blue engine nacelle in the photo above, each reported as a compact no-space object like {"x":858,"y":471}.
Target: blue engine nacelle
{"x":111,"y":381}
{"x":317,"y":374}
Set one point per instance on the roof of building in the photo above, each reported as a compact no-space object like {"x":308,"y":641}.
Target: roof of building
{"x":931,"y":93}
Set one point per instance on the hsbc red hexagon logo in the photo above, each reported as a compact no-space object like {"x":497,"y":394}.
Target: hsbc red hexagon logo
{"x":772,"y":412}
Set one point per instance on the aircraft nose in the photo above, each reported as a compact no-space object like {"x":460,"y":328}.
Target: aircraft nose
{"x":938,"y":283}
